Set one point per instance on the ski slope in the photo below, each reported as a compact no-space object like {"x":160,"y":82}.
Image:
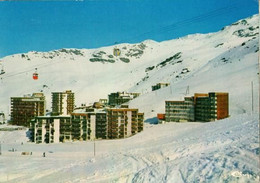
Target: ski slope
{"x":221,"y":151}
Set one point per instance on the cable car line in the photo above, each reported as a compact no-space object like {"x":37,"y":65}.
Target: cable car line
{"x":31,"y":69}
{"x":171,"y":27}
{"x":184,"y":22}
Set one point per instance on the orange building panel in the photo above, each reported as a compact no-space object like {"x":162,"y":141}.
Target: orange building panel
{"x":161,"y":116}
{"x":222,"y":105}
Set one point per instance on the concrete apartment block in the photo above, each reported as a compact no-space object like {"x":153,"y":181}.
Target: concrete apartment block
{"x":62,"y":103}
{"x":123,"y":122}
{"x":89,"y":125}
{"x":202,"y":107}
{"x":211,"y":107}
{"x":24,"y":109}
{"x":119,"y":98}
{"x":50,"y":129}
{"x":179,"y":111}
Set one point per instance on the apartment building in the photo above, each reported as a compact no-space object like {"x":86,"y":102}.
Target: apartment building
{"x":212,"y":106}
{"x":159,"y":86}
{"x":89,"y":125}
{"x":50,"y":129}
{"x":24,"y":109}
{"x":119,"y":98}
{"x":62,"y":103}
{"x":179,"y":111}
{"x":124,"y":122}
{"x":101,"y":125}
{"x":202,"y":107}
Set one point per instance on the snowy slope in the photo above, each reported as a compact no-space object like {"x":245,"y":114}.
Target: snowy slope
{"x":222,"y":151}
{"x":189,"y":61}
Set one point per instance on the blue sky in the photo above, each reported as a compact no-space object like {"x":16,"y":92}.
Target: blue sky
{"x":49,"y":25}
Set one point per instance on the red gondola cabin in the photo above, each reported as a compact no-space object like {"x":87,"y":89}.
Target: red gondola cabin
{"x":35,"y":74}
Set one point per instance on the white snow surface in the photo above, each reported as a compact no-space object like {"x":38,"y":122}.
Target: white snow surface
{"x":221,"y":151}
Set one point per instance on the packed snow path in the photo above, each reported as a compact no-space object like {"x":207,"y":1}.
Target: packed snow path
{"x":222,"y":151}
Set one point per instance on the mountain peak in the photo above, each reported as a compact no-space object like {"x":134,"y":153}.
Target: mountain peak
{"x":94,"y":73}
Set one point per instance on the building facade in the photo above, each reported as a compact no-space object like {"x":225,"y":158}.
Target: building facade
{"x":24,"y":109}
{"x":211,"y":107}
{"x":62,"y":103}
{"x":140,"y":122}
{"x":202,"y":107}
{"x":119,"y":98}
{"x":124,"y":122}
{"x":179,"y":111}
{"x":161,"y":118}
{"x":50,"y":129}
{"x":101,"y":125}
{"x":159,"y":86}
{"x":89,"y":125}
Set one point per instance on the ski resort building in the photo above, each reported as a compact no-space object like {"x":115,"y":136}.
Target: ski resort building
{"x":161,"y":118}
{"x":159,"y":86}
{"x":89,"y":125}
{"x":119,"y":98}
{"x":124,"y":122}
{"x":103,"y":101}
{"x":212,"y":106}
{"x":179,"y":111}
{"x":51,"y":129}
{"x":202,"y":107}
{"x":116,"y":52}
{"x":24,"y":109}
{"x":78,"y":126}
{"x":62,"y":103}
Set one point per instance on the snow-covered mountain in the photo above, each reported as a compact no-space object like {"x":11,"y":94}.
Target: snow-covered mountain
{"x":221,"y":61}
{"x":223,"y":151}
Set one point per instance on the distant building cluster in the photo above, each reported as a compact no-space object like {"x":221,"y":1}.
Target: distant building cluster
{"x":119,"y":98}
{"x":159,"y":86}
{"x":200,"y":107}
{"x":107,"y":119}
{"x":66,"y":123}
